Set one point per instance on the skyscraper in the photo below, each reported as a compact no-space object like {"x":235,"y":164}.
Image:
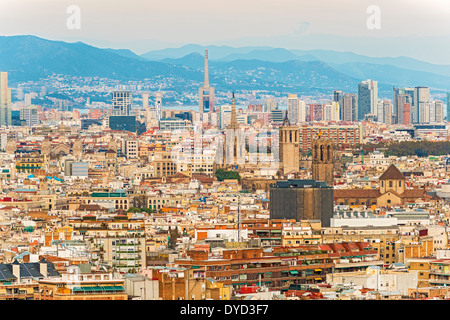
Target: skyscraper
{"x":121,"y":103}
{"x":387,"y":108}
{"x":292,"y":107}
{"x":401,"y":102}
{"x":5,"y":100}
{"x":367,"y":98}
{"x":206,"y":93}
{"x":349,"y":108}
{"x":421,"y":99}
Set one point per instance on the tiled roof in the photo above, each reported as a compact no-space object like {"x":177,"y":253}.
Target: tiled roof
{"x":392,"y":173}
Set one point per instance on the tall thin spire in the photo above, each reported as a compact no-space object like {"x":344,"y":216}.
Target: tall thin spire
{"x":206,"y":82}
{"x":233,"y":121}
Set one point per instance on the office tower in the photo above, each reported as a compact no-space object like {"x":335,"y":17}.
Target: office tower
{"x":5,"y":100}
{"x":399,"y":105}
{"x":145,"y":96}
{"x":121,"y":103}
{"x":270,"y":104}
{"x":380,"y":111}
{"x":349,"y":107}
{"x":420,"y":101}
{"x":301,"y":117}
{"x":292,"y":108}
{"x":289,"y":147}
{"x":438,"y":115}
{"x":387,"y":108}
{"x":323,"y":160}
{"x":206,"y":93}
{"x":302,"y":200}
{"x":367,"y":98}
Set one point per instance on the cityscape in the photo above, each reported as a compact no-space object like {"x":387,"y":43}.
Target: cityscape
{"x":221,"y":172}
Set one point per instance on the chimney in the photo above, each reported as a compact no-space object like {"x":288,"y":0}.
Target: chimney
{"x":16,"y":269}
{"x":43,"y":267}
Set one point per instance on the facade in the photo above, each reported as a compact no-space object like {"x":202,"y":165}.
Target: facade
{"x":343,"y":136}
{"x":302,"y":200}
{"x":421,"y":100}
{"x":289,"y":151}
{"x":123,"y":123}
{"x":349,"y":108}
{"x":121,"y":103}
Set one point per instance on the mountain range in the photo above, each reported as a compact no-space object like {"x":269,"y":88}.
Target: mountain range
{"x":231,"y":68}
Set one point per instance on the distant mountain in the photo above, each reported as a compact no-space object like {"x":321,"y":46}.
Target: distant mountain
{"x":192,"y":60}
{"x":394,"y":75}
{"x":32,"y":58}
{"x":271,"y":55}
{"x":126,"y":53}
{"x":405,"y":71}
{"x":214,"y":52}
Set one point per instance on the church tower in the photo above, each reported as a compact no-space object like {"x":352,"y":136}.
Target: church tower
{"x":289,"y":147}
{"x":322,"y":160}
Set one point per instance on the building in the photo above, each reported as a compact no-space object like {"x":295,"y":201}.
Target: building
{"x":349,"y":108}
{"x":206,"y":93}
{"x":402,"y":108}
{"x":293,"y":108}
{"x":76,"y":285}
{"x":342,"y":135}
{"x":121,"y":103}
{"x":289,"y":151}
{"x":173,"y":124}
{"x":323,"y":160}
{"x":392,"y":192}
{"x":29,"y":115}
{"x":420,"y":102}
{"x":86,"y":123}
{"x":122,"y":123}
{"x":276,"y":116}
{"x":5,"y":100}
{"x":367,"y":98}
{"x":387,"y":112}
{"x":302,"y":200}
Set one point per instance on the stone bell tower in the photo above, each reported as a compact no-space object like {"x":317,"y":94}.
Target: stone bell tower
{"x":323,"y":160}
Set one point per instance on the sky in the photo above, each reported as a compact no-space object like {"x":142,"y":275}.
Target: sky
{"x":415,"y":28}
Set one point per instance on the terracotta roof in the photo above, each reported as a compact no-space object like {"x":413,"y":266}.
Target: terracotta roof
{"x":356,"y":193}
{"x":392,"y":173}
{"x":413,"y":193}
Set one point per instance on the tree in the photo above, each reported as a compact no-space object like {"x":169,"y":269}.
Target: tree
{"x":222,"y":174}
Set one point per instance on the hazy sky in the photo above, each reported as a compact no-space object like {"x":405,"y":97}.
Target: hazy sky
{"x":417,"y":28}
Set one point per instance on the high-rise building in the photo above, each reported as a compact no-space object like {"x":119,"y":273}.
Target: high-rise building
{"x":387,"y":108}
{"x":367,"y":98}
{"x":206,"y":93}
{"x":5,"y":100}
{"x":349,"y":110}
{"x":438,"y":114}
{"x":121,"y":103}
{"x":399,"y":103}
{"x":29,"y":114}
{"x":420,"y":102}
{"x":145,"y":96}
{"x":270,"y":104}
{"x":292,"y":107}
{"x":331,"y":111}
